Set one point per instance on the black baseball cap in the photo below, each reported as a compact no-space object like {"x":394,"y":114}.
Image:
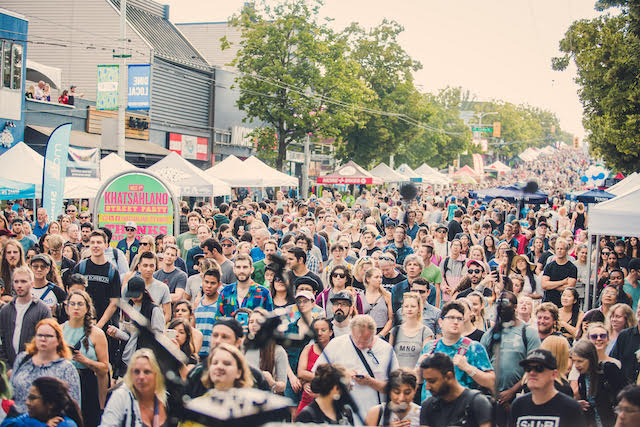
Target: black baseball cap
{"x":308,"y":280}
{"x":541,"y":356}
{"x":232,"y":324}
{"x":135,"y":287}
{"x":42,"y":258}
{"x":634,"y":264}
{"x":441,"y":227}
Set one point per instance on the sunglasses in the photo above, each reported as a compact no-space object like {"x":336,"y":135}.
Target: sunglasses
{"x":420,"y":291}
{"x":129,"y":229}
{"x":475,"y":271}
{"x":341,"y":275}
{"x":602,"y":336}
{"x":84,"y":217}
{"x":226,"y":245}
{"x":538,"y":368}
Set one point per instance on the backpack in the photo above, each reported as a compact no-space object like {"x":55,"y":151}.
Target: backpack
{"x":466,"y":343}
{"x":465,"y":417}
{"x":82,"y":269}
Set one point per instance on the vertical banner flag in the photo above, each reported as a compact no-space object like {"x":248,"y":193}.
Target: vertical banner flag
{"x":55,"y":169}
{"x":138,"y":93}
{"x":83,"y":162}
{"x":108,"y":81}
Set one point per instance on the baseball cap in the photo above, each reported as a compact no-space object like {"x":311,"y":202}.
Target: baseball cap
{"x":541,"y":356}
{"x":17,"y":220}
{"x":390,"y":223}
{"x":135,"y":287}
{"x":476,"y":262}
{"x":342,"y":296}
{"x":131,"y":224}
{"x":307,"y":280}
{"x":230,"y":239}
{"x":306,"y":294}
{"x":198,"y":256}
{"x":441,"y":227}
{"x":42,"y":258}
{"x":232,"y":324}
{"x":247,"y":213}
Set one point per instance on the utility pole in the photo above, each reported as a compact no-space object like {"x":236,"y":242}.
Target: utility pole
{"x":122,"y":86}
{"x":305,"y":168}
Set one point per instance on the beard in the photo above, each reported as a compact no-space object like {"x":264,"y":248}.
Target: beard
{"x":339,"y":315}
{"x":442,"y":391}
{"x":242,"y":277}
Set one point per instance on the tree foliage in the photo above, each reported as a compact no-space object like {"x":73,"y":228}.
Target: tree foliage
{"x":296,"y":74}
{"x":606,"y":51}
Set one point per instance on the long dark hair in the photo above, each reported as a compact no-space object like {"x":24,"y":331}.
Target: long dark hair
{"x":587,"y":350}
{"x":188,"y":348}
{"x":55,"y":394}
{"x":347,"y":274}
{"x":267,"y":351}
{"x":575,"y":310}
{"x":5,"y":270}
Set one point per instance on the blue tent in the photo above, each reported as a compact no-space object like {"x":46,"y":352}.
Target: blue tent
{"x":10,"y":190}
{"x":511,"y":194}
{"x":590,"y":196}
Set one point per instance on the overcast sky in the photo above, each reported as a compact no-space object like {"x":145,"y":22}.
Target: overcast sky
{"x":497,"y":49}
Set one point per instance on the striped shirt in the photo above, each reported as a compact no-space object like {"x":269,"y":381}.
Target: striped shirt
{"x":205,"y":319}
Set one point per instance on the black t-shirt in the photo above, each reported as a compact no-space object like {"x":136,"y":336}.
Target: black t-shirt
{"x":557,"y":272}
{"x":471,"y":407}
{"x":560,"y":411}
{"x":313,"y":414}
{"x":99,"y":286}
{"x":388,"y":284}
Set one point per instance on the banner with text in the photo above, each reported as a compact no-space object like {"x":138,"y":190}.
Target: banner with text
{"x":83,"y":162}
{"x":55,"y":169}
{"x":138,"y":197}
{"x":139,"y":92}
{"x":108,"y":81}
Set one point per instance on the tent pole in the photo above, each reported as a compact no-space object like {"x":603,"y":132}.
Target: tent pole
{"x":587,"y":288}
{"x":595,"y":284}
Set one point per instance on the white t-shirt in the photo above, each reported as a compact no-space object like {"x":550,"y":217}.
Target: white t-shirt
{"x":50,"y":299}
{"x":340,"y":350}
{"x":21,"y":309}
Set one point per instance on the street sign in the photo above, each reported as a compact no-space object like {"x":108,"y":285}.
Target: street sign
{"x":482,"y":128}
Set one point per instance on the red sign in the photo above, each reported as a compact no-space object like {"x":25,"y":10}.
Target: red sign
{"x":189,"y":147}
{"x":344,"y":180}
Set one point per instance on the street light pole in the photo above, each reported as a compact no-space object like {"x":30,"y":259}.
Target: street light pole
{"x":122,"y":91}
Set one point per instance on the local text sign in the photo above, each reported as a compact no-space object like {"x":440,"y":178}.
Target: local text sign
{"x":137,"y":197}
{"x":139,"y":92}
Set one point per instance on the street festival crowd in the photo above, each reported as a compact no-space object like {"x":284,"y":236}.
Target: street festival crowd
{"x":408,"y":310}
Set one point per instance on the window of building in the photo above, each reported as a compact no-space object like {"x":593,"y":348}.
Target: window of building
{"x":12,"y":64}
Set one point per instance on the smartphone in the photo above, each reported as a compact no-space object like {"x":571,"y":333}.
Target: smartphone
{"x":172,"y":334}
{"x":243,"y":318}
{"x":359,"y":376}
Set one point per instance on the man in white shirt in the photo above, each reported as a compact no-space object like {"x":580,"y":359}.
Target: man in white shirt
{"x":365,"y":355}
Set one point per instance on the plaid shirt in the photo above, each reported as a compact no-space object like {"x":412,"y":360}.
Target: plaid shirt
{"x":313,"y":263}
{"x":257,"y":296}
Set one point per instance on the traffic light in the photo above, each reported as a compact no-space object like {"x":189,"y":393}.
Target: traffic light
{"x":496,"y":129}
{"x":576,"y":142}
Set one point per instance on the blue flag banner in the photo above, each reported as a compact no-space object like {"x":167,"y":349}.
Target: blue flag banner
{"x":139,"y":93}
{"x":55,"y":170}
{"x":10,"y":190}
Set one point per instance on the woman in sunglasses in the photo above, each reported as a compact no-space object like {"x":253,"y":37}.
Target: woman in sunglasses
{"x":599,"y":336}
{"x":339,"y":280}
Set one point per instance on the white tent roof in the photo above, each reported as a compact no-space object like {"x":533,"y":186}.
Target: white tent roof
{"x":405,"y":170}
{"x":185,"y":179}
{"x":236,"y":173}
{"x":627,"y":184}
{"x":271,"y":177}
{"x":499,"y":166}
{"x":87,"y":188}
{"x":21,"y":163}
{"x":431,"y":175}
{"x":46,"y":73}
{"x":617,"y":217}
{"x":387,"y":174}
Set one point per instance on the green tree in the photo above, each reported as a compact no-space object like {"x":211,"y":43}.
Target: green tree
{"x":386,"y":68}
{"x":296,"y":75}
{"x":606,"y":51}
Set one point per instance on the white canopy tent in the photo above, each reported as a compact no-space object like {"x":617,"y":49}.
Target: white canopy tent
{"x":186,"y":180}
{"x":271,"y":177}
{"x":50,"y":75}
{"x":87,"y":188}
{"x":236,"y":173}
{"x":431,"y":175}
{"x":406,"y":171}
{"x":626,"y":185}
{"x":23,"y":164}
{"x":499,"y":166}
{"x":387,"y":174}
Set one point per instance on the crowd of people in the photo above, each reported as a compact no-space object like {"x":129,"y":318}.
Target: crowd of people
{"x":435,"y":310}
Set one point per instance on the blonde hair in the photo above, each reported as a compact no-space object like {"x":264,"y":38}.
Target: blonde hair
{"x":627,"y":312}
{"x":559,"y":347}
{"x":415,"y":296}
{"x":245,"y":380}
{"x":363,"y":321}
{"x":145,"y":353}
{"x":357,"y":269}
